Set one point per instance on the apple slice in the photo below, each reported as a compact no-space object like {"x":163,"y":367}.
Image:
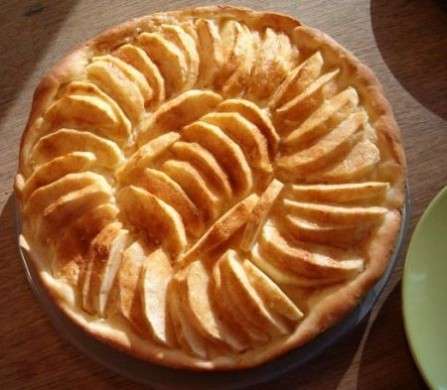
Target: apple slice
{"x":162,"y":186}
{"x":232,"y":317}
{"x":57,"y":168}
{"x":85,"y":106}
{"x":245,"y":296}
{"x":185,"y":334}
{"x":201,"y":311}
{"x":335,"y":214}
{"x":222,"y":229}
{"x":260,"y":213}
{"x":210,"y":50}
{"x":114,"y":80}
{"x":275,"y":58}
{"x":328,"y":148}
{"x":138,"y":58}
{"x":169,"y":58}
{"x":325,"y":117}
{"x":159,"y":221}
{"x":128,"y":276}
{"x":50,"y":193}
{"x":274,"y":299}
{"x":358,"y":163}
{"x":104,"y":260}
{"x":131,"y":73}
{"x":255,"y":115}
{"x":185,"y":42}
{"x":195,"y":187}
{"x":178,"y":112}
{"x":334,"y":234}
{"x":303,"y":104}
{"x":298,"y":80}
{"x":206,"y":163}
{"x":303,"y":262}
{"x":73,"y":242}
{"x":71,"y":205}
{"x":244,"y":133}
{"x":340,"y":193}
{"x":156,"y":274}
{"x":65,"y":141}
{"x":143,"y":157}
{"x":283,"y":276}
{"x":226,"y":151}
{"x":235,"y":82}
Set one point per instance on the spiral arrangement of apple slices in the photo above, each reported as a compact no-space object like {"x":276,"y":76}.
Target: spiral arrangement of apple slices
{"x":202,"y":179}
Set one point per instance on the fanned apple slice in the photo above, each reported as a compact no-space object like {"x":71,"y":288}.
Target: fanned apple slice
{"x":325,"y":118}
{"x":246,"y":134}
{"x":302,"y":262}
{"x":185,"y":42}
{"x":275,"y":300}
{"x":162,"y":186}
{"x":298,"y":80}
{"x":159,"y":221}
{"x":340,"y":193}
{"x":156,"y":275}
{"x":65,"y":141}
{"x":283,"y":276}
{"x":57,"y":168}
{"x":113,"y":80}
{"x":275,"y":58}
{"x":238,"y":56}
{"x":51,"y":192}
{"x":245,"y":296}
{"x":242,"y":58}
{"x":222,"y":229}
{"x":206,"y":163}
{"x":133,"y":74}
{"x":358,"y":163}
{"x":195,"y":187}
{"x":332,"y":145}
{"x":142,"y":158}
{"x":185,"y":334}
{"x":335,"y":214}
{"x":257,"y":116}
{"x":302,"y":105}
{"x":169,"y":59}
{"x":104,"y":261}
{"x":226,"y":151}
{"x":85,"y":107}
{"x":260,"y":213}
{"x":210,"y":50}
{"x":231,"y":315}
{"x":180,"y":111}
{"x":333,"y":234}
{"x":138,"y":58}
{"x":200,"y":310}
{"x":72,"y":243}
{"x":75,"y":203}
{"x":128,"y":276}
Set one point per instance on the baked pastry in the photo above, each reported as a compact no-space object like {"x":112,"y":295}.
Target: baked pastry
{"x":210,"y":188}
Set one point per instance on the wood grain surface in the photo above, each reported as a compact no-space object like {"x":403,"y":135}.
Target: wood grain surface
{"x":403,"y":41}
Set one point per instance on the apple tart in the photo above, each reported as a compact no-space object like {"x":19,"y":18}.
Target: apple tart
{"x":210,"y":188}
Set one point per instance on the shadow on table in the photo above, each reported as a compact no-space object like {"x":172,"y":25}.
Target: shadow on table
{"x":412,"y":38}
{"x":386,"y":361}
{"x":27,"y":28}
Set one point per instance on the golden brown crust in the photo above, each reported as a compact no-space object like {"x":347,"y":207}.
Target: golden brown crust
{"x":331,"y":308}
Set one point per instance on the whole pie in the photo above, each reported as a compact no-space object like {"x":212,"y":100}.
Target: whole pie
{"x":210,"y":188}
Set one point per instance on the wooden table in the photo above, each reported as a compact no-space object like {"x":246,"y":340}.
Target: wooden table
{"x":403,"y":41}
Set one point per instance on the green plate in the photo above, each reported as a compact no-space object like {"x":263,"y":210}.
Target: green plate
{"x":425,"y":293}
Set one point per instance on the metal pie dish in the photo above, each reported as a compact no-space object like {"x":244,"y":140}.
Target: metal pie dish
{"x":164,"y":377}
